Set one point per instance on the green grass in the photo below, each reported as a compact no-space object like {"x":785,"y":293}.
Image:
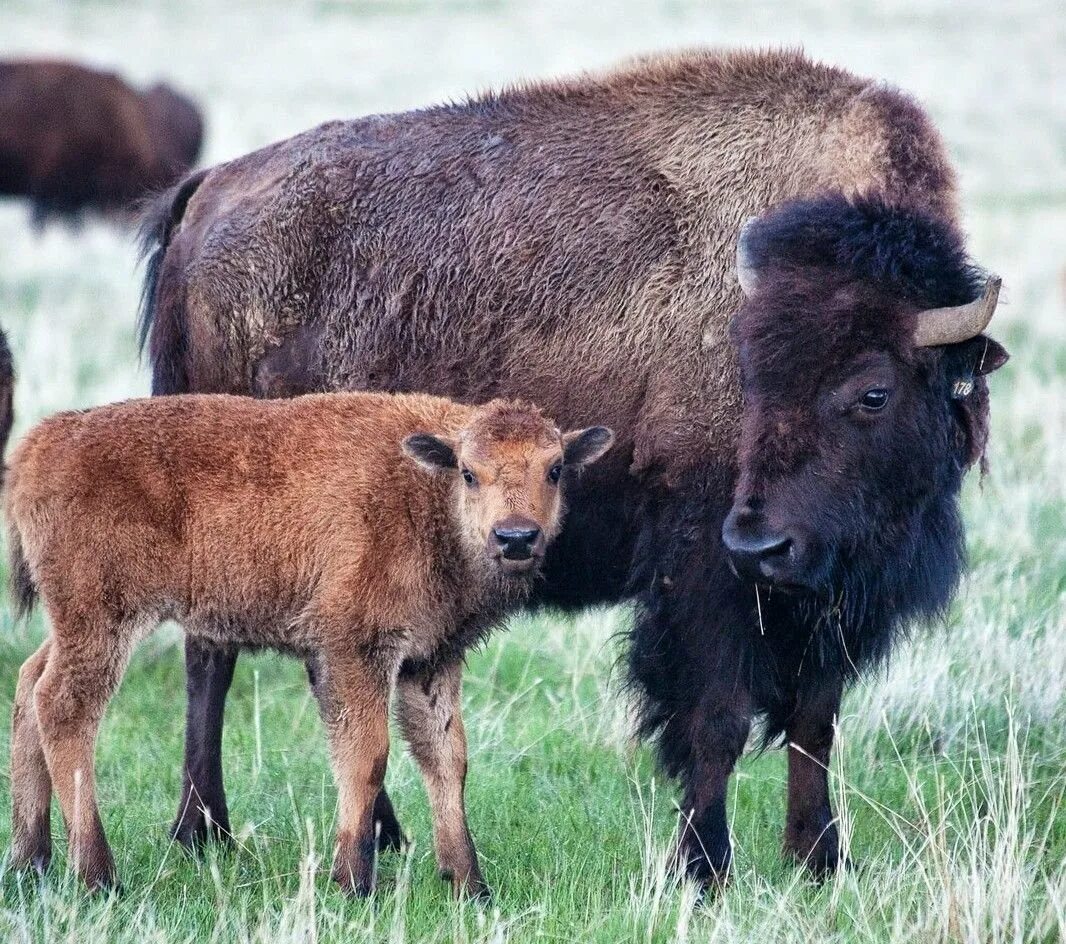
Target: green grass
{"x":572,"y":825}
{"x":950,"y":776}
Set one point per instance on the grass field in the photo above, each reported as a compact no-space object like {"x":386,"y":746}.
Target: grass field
{"x":951,"y":775}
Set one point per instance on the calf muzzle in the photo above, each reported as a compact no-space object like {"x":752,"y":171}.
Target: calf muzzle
{"x":516,"y":543}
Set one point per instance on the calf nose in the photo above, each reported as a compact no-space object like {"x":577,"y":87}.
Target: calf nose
{"x":754,"y":549}
{"x":516,"y":543}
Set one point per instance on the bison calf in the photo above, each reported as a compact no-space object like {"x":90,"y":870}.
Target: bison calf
{"x":299,"y":525}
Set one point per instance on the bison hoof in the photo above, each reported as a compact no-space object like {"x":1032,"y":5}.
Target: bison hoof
{"x":708,"y":865}
{"x":391,"y":836}
{"x":818,"y":852}
{"x":195,"y":832}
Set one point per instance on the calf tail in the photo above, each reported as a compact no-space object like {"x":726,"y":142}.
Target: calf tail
{"x":21,"y":587}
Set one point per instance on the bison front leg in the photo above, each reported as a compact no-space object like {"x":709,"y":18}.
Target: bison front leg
{"x":719,"y":730}
{"x":811,"y":835}
{"x":202,"y":811}
{"x":430,"y":710}
{"x":354,"y":701}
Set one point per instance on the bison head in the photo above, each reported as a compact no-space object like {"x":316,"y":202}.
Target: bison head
{"x":862,"y":365}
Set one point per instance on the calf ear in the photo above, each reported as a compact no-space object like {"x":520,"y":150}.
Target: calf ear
{"x":430,"y":452}
{"x":583,"y":446}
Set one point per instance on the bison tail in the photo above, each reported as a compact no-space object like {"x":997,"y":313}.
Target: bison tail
{"x":161,"y":319}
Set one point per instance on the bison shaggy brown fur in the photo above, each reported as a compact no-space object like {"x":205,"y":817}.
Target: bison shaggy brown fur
{"x":574,"y":241}
{"x":74,"y":138}
{"x":297,"y":525}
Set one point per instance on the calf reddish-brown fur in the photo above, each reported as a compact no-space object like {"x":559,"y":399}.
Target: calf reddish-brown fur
{"x":73,"y":138}
{"x":298,"y":525}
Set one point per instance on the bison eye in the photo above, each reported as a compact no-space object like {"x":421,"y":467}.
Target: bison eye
{"x":469,"y":478}
{"x":555,"y":472}
{"x":874,"y":399}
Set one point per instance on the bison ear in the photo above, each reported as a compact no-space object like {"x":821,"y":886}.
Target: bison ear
{"x":747,"y":274}
{"x":989,"y":355}
{"x":583,"y":446}
{"x":430,"y":452}
{"x":970,"y":359}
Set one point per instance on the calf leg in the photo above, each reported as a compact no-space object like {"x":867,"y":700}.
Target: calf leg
{"x":31,"y":785}
{"x":83,"y":670}
{"x":810,"y":831}
{"x":354,"y":701}
{"x":430,"y":711}
{"x":387,"y":827}
{"x":202,"y":812}
{"x":718,"y":730}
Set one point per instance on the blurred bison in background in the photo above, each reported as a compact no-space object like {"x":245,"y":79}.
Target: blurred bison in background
{"x":795,"y":406}
{"x":73,"y":138}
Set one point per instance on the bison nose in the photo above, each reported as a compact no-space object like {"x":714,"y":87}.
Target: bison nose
{"x":516,"y":543}
{"x":755,"y":551}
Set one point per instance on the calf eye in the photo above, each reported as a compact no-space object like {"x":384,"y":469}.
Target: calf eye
{"x":555,"y":472}
{"x":468,"y":477}
{"x":874,"y":399}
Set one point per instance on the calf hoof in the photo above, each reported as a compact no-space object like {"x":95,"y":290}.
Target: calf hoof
{"x":105,"y":885}
{"x":473,"y":886}
{"x":32,"y":850}
{"x":352,"y":885}
{"x":354,"y":866}
{"x":98,"y":873}
{"x":817,"y":849}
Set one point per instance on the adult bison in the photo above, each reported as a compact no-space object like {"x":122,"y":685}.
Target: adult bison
{"x":575,"y":242}
{"x":73,"y":138}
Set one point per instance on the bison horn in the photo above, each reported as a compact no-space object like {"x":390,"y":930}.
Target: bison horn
{"x":747,"y":274}
{"x":938,"y":326}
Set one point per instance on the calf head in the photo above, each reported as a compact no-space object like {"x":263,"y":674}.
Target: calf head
{"x":510,"y":465}
{"x":862,"y":365}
